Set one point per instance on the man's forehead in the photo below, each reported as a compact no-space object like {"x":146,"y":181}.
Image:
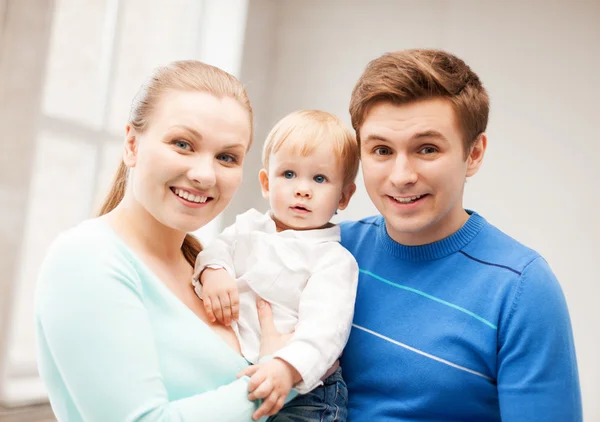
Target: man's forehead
{"x":423,"y":119}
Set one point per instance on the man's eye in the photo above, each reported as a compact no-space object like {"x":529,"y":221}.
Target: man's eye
{"x":320,"y":178}
{"x":382,"y":151}
{"x":288,"y":174}
{"x":429,"y":150}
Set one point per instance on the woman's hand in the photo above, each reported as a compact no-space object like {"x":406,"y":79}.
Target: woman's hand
{"x":271,"y":340}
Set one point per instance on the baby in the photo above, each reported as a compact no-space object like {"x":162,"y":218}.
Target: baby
{"x":292,"y":258}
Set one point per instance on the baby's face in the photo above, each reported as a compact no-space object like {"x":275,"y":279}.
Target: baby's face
{"x":304,"y":191}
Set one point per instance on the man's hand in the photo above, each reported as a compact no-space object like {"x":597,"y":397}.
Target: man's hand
{"x":271,"y":381}
{"x":220,"y":296}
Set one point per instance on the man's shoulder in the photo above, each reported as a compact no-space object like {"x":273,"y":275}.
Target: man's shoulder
{"x":367,"y":223}
{"x":496,"y":247}
{"x":354,"y":234}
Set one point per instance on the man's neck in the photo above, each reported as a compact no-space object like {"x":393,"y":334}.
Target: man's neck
{"x":439,"y":230}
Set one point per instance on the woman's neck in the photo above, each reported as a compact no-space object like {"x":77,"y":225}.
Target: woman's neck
{"x":143,"y":232}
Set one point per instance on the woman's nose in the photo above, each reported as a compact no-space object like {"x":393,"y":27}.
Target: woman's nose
{"x":203,"y":172}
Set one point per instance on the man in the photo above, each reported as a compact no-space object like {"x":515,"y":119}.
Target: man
{"x":454,"y":320}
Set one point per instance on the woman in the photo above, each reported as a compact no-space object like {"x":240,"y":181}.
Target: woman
{"x":121,"y":334}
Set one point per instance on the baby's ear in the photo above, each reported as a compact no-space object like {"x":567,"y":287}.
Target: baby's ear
{"x":263,"y":178}
{"x":130,"y":147}
{"x":347,"y":193}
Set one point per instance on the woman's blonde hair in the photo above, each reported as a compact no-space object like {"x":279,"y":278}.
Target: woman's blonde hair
{"x":188,"y":75}
{"x":306,"y":129}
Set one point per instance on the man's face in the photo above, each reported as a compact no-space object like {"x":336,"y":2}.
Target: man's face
{"x":414,"y":168}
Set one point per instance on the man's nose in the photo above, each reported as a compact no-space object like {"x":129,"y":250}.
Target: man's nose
{"x":404,"y":172}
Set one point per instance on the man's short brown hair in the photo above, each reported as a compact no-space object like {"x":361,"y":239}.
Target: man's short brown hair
{"x":407,"y":76}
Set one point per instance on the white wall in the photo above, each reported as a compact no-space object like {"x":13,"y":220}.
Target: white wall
{"x":538,"y":59}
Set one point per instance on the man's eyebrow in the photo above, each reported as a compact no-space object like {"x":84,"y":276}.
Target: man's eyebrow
{"x":373,"y":137}
{"x":429,"y":134}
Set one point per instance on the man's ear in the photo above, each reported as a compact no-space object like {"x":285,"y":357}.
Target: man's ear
{"x":263,"y":178}
{"x":347,"y":193}
{"x":476,"y":154}
{"x":130,"y":149}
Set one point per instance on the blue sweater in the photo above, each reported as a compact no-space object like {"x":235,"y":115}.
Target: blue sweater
{"x":473,"y":327}
{"x":115,"y":345}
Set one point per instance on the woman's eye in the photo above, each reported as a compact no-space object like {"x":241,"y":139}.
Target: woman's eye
{"x":288,"y":174}
{"x":320,"y":178}
{"x":382,"y":151}
{"x":227,"y":158}
{"x":182,"y":144}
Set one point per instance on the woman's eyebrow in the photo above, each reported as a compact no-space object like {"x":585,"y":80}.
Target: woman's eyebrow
{"x":193,"y":131}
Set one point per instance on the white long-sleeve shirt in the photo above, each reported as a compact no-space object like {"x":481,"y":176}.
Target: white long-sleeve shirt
{"x":307,"y":276}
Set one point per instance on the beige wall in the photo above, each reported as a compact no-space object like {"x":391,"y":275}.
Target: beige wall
{"x":539,"y":61}
{"x":23,"y":40}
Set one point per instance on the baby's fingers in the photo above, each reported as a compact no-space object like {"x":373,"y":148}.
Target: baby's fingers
{"x":234,"y":299}
{"x":208,"y":309}
{"x":225,"y":308}
{"x":248,"y":371}
{"x":264,"y":390}
{"x":217,"y":309}
{"x":270,"y":406}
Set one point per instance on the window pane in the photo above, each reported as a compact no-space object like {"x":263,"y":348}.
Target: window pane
{"x":111,"y":158}
{"x":72,"y":75}
{"x":152,"y":33}
{"x":59,"y":197}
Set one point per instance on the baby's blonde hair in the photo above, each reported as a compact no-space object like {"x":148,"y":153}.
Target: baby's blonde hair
{"x":306,"y":129}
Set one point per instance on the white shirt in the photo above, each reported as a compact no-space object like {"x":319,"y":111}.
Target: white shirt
{"x":307,"y":276}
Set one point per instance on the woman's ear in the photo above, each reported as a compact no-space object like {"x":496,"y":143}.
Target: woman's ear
{"x":130,"y":147}
{"x":347,"y":193}
{"x":263,"y":178}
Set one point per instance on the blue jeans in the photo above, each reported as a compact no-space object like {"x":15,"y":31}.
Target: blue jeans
{"x":326,"y":403}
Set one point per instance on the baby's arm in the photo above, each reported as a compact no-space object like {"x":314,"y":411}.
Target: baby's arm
{"x":214,"y":280}
{"x":220,"y":296}
{"x":325,"y":318}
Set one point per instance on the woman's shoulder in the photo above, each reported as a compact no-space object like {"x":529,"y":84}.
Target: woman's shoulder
{"x":91,"y":247}
{"x":93,"y":235}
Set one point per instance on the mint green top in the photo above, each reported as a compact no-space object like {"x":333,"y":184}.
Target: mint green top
{"x":115,"y":344}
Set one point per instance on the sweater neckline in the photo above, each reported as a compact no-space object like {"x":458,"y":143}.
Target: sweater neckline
{"x":435,"y":250}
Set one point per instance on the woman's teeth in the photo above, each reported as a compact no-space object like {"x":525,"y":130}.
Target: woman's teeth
{"x":408,"y":200}
{"x":190,"y":197}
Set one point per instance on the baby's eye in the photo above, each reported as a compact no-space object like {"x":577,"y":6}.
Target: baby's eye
{"x":288,"y":174}
{"x":319,"y":178}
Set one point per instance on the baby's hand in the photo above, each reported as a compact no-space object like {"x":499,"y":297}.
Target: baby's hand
{"x":271,"y":381}
{"x":220,"y":296}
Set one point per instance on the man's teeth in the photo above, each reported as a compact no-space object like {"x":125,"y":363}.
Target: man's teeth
{"x":408,"y":200}
{"x":191,"y":197}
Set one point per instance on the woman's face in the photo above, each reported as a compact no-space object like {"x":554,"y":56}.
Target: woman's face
{"x":187,"y":164}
